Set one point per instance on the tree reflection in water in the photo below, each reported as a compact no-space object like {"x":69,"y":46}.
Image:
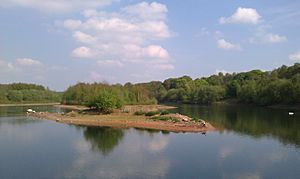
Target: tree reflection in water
{"x":103,"y":139}
{"x":249,"y":120}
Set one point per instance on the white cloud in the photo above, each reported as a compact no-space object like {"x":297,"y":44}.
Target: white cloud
{"x":72,"y":24}
{"x":83,"y":37}
{"x":263,"y":36}
{"x":295,"y":56}
{"x":223,"y":44}
{"x":27,"y":62}
{"x":131,"y":35}
{"x":110,"y":63}
{"x":51,"y":6}
{"x":82,"y":52}
{"x":242,"y":15}
{"x":22,"y":69}
{"x":21,"y":64}
{"x":155,"y":51}
{"x":147,"y":11}
{"x":274,"y":38}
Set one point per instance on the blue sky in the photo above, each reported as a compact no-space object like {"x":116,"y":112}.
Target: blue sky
{"x":58,"y":43}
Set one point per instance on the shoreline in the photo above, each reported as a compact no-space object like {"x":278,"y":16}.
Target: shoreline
{"x":28,"y":104}
{"x":125,"y":108}
{"x":295,"y":107}
{"x":125,"y":120}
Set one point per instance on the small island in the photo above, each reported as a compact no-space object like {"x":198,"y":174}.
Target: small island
{"x":130,"y":116}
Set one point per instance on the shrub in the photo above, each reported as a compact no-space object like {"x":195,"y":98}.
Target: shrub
{"x":152,"y":113}
{"x":162,"y":118}
{"x":105,"y":101}
{"x":165,"y":118}
{"x":195,"y":119}
{"x":164,"y":112}
{"x":139,"y":113}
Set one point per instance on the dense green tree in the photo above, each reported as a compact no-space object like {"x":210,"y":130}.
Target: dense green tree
{"x":280,"y":86}
{"x":104,"y":101}
{"x":20,"y":92}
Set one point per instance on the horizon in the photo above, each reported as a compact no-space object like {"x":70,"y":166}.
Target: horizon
{"x":65,"y":42}
{"x":105,"y":82}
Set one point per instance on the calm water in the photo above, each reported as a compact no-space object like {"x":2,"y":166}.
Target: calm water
{"x":252,"y":143}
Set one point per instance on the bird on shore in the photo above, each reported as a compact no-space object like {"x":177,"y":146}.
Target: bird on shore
{"x":291,"y":113}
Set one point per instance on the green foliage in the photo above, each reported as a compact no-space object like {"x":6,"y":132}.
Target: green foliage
{"x":85,"y":94}
{"x":139,"y":113}
{"x":280,"y":86}
{"x":165,"y":118}
{"x":196,"y":119}
{"x":162,"y":118}
{"x":27,"y":93}
{"x":152,"y":113}
{"x":164,"y":112}
{"x":104,"y":101}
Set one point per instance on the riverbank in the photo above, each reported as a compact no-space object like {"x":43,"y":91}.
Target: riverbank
{"x":170,"y":122}
{"x":28,"y":104}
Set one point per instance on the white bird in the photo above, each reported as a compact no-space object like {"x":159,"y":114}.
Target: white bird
{"x":291,"y":113}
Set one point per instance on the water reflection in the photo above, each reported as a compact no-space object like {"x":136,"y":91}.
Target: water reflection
{"x":253,"y":121}
{"x":103,"y":155}
{"x":103,"y":139}
{"x":18,"y":120}
{"x":69,"y":151}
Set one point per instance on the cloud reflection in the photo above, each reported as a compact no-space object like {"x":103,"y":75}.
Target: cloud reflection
{"x":131,"y":158}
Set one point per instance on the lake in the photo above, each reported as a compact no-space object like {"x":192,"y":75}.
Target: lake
{"x":252,"y":142}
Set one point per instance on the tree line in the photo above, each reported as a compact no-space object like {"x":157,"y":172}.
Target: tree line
{"x":280,"y":86}
{"x":27,"y":93}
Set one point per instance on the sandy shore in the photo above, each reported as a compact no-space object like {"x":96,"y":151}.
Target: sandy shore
{"x":125,"y":120}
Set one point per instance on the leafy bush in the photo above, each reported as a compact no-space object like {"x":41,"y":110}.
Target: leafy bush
{"x":104,"y":101}
{"x":165,"y":118}
{"x":196,"y":119}
{"x":164,"y":112}
{"x":139,"y":113}
{"x":152,"y":113}
{"x":162,"y":118}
